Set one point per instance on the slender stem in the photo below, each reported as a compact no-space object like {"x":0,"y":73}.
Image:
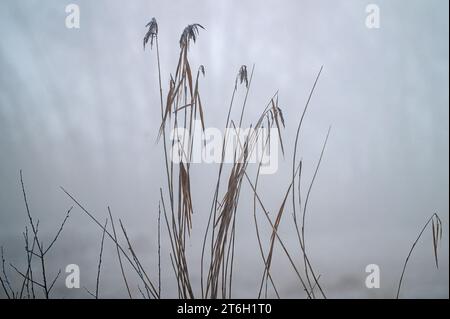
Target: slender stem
{"x":410,"y":252}
{"x":100,"y":260}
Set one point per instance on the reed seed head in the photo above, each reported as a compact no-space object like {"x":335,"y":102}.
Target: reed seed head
{"x":243,"y":76}
{"x":152,"y":32}
{"x":202,"y":69}
{"x":190,"y":33}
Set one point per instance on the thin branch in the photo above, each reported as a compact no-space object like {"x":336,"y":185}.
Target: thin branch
{"x":54,"y":280}
{"x":26,"y":277}
{"x":59,"y":231}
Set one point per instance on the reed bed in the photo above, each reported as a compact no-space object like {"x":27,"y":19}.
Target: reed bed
{"x":180,"y":106}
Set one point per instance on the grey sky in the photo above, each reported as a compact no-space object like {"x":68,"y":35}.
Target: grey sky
{"x":80,"y":109}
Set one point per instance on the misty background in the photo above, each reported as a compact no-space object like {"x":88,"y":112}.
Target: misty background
{"x":79,"y":108}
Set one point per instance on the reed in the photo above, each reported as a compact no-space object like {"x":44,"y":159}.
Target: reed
{"x":180,"y":106}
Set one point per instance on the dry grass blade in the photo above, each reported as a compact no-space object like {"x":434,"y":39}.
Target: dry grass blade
{"x":219,"y":261}
{"x":100,"y":260}
{"x":168,"y":109}
{"x":436,"y":238}
{"x":307,"y":264}
{"x":215,"y":203}
{"x":273,"y":236}
{"x":140,"y":270}
{"x":275,"y":112}
{"x":294,"y":163}
{"x":258,"y":236}
{"x":159,"y":250}
{"x":288,"y":255}
{"x":298,"y":134}
{"x":197,"y":96}
{"x":118,"y":253}
{"x":186,"y":195}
